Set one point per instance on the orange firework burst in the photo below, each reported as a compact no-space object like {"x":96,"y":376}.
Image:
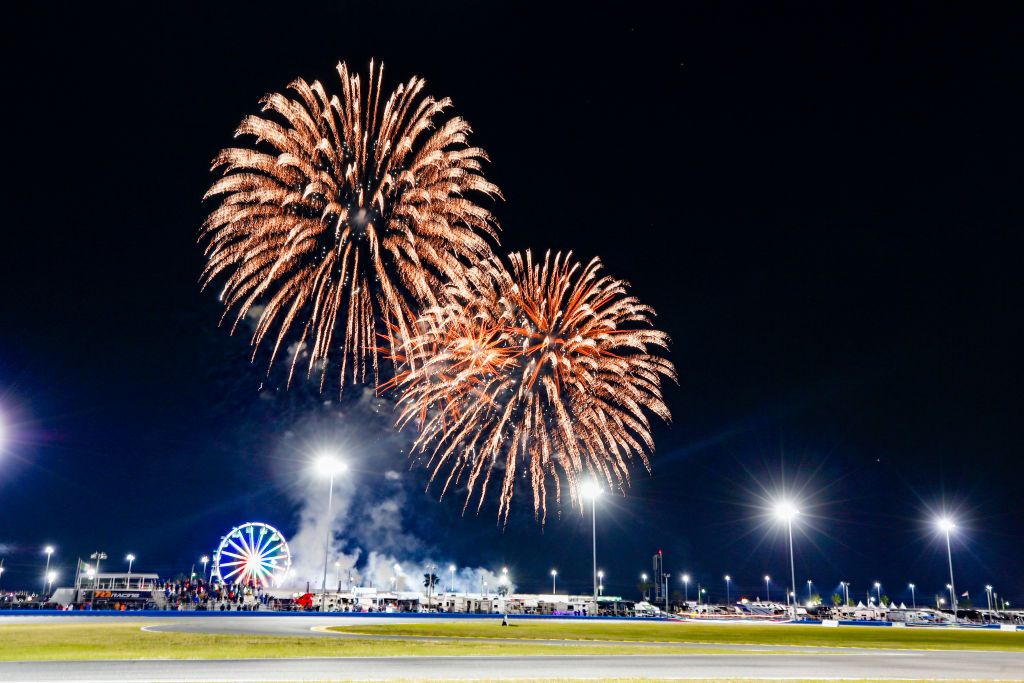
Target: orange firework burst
{"x":549,"y":369}
{"x":344,"y":215}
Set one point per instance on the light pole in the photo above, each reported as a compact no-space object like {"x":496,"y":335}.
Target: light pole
{"x":767,"y":588}
{"x":130,"y":558}
{"x":947,"y":525}
{"x":988,"y":595}
{"x":600,"y":584}
{"x":643,"y":580}
{"x":786,"y":512}
{"x":204,"y":559}
{"x":49,"y":551}
{"x":328,"y":466}
{"x":846,"y":592}
{"x":913,"y":596}
{"x":727,"y":580}
{"x":451,"y":570}
{"x":686,"y":589}
{"x":808,"y":592}
{"x":554,"y":579}
{"x":591,"y":490}
{"x":50,"y":578}
{"x":878,"y":592}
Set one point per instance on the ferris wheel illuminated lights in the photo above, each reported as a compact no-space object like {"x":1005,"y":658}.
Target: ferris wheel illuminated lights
{"x":253,"y":554}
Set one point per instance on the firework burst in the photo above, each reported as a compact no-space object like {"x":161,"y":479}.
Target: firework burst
{"x":545,"y":372}
{"x":342,"y":216}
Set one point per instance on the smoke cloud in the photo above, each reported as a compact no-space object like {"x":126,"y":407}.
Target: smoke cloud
{"x":368,"y":534}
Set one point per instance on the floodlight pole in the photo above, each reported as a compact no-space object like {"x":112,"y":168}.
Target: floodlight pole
{"x":46,"y":572}
{"x":792,"y":566}
{"x":952,"y":586}
{"x":593,"y":537}
{"x":327,"y":544}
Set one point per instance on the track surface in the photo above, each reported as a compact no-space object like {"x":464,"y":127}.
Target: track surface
{"x":812,"y":662}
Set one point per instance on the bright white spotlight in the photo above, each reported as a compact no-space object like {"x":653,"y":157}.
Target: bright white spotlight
{"x":328,"y":466}
{"x":48,"y":550}
{"x":451,"y":567}
{"x":785,"y":511}
{"x":590,"y":489}
{"x":51,"y":577}
{"x":945,"y":524}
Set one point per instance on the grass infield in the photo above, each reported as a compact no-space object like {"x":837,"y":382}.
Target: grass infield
{"x":711,"y":634}
{"x":75,"y":642}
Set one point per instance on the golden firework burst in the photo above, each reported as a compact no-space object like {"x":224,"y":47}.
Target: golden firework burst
{"x":344,"y":215}
{"x":547,"y":369}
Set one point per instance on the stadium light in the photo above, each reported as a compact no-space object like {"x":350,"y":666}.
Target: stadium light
{"x":785,"y":511}
{"x":947,"y":526}
{"x":554,"y":579}
{"x":592,"y":490}
{"x":328,"y":466}
{"x":49,"y":550}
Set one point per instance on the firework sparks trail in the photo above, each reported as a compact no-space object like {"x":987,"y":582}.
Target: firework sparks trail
{"x":344,"y":215}
{"x":548,"y":367}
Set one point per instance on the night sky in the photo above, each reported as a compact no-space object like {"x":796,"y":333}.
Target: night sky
{"x":820,"y":200}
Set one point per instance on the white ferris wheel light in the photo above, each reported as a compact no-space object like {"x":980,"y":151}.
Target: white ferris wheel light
{"x":253,"y":554}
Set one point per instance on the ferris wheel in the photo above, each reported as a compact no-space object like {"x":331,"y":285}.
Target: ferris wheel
{"x":252,"y":554}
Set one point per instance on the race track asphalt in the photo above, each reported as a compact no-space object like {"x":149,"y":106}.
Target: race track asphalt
{"x":828,"y":663}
